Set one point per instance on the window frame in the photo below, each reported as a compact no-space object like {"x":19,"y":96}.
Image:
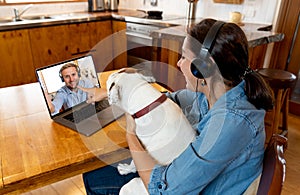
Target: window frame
{"x":3,"y":2}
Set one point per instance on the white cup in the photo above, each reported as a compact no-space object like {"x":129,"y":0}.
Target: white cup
{"x":236,"y":17}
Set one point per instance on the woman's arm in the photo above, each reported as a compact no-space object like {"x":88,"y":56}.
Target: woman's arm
{"x":143,"y":161}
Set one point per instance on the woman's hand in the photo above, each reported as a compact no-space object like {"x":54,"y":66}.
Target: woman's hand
{"x":94,"y":94}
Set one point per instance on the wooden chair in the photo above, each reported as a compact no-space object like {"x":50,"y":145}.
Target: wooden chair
{"x":274,"y":166}
{"x":281,"y":82}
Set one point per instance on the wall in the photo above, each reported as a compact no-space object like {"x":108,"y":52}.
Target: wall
{"x":257,"y":11}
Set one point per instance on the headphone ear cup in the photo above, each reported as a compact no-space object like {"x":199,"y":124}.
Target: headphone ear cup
{"x":194,"y":69}
{"x":201,"y":68}
{"x":78,"y":70}
{"x":61,"y":77}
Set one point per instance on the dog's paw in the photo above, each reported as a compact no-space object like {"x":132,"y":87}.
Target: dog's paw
{"x":124,"y":168}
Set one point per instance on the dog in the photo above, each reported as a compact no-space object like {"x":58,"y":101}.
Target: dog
{"x":161,"y":125}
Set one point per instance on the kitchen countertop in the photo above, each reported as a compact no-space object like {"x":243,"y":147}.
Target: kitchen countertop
{"x":55,"y":19}
{"x":254,"y":37}
{"x":77,"y":17}
{"x":172,"y":27}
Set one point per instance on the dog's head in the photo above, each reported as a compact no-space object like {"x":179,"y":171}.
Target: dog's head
{"x":124,"y":81}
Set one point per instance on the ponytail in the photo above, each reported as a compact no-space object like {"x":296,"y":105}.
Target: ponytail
{"x":258,"y":91}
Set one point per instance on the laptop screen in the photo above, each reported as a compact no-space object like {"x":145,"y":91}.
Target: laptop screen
{"x":54,"y":84}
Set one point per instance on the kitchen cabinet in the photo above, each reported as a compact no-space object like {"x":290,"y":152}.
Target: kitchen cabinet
{"x":57,"y":43}
{"x":168,"y":54}
{"x":16,"y":65}
{"x":119,"y":44}
{"x":257,"y":56}
{"x":99,"y":44}
{"x":109,"y":49}
{"x":49,"y":45}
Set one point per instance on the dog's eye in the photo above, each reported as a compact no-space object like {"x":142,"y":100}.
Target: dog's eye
{"x":112,"y":85}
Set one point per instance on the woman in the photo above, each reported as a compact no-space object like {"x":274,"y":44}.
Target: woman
{"x":227,"y":112}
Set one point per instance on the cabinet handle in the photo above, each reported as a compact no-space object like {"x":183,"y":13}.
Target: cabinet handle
{"x":83,"y":52}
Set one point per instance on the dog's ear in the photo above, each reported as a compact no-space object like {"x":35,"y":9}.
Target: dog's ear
{"x":114,"y":94}
{"x":149,"y":79}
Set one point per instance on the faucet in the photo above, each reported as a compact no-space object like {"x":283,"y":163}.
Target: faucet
{"x":191,"y":13}
{"x":19,"y":13}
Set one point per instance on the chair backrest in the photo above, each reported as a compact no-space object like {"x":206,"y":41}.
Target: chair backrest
{"x":273,"y":174}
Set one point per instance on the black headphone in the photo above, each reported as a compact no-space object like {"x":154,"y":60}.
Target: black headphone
{"x":202,"y":66}
{"x":67,"y":66}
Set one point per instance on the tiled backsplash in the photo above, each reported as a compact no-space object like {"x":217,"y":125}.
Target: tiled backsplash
{"x":256,"y":11}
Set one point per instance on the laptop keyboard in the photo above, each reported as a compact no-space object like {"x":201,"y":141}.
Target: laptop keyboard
{"x":87,"y":111}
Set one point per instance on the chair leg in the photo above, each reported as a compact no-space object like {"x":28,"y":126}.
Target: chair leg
{"x":277,"y":111}
{"x":285,"y":112}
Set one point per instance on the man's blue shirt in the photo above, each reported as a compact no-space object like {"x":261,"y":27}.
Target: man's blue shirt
{"x":66,"y":98}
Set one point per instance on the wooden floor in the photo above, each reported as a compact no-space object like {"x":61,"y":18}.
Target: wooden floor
{"x":292,"y":156}
{"x":75,"y":186}
{"x":71,"y":186}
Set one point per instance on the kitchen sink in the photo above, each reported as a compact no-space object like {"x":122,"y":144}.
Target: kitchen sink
{"x":12,"y":20}
{"x":40,"y":17}
{"x":6,"y":20}
{"x":43,"y":18}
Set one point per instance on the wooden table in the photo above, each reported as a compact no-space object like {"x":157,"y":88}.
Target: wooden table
{"x":35,"y":151}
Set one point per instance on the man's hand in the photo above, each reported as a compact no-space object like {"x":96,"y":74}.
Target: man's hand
{"x":94,"y":94}
{"x":49,"y":102}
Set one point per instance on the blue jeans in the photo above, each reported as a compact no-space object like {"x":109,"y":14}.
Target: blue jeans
{"x":106,"y":180}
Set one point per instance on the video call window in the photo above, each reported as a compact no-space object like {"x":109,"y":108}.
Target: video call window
{"x":51,"y":82}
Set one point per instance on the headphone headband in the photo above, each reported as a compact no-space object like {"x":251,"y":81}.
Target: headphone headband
{"x":201,"y":66}
{"x":67,"y":65}
{"x":211,"y":35}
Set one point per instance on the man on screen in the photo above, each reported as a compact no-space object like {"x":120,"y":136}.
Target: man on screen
{"x":69,"y":95}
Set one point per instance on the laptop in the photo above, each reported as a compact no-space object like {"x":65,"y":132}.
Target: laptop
{"x":84,"y":118}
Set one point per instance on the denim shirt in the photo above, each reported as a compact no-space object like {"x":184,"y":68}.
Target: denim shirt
{"x":225,"y":157}
{"x":67,"y":98}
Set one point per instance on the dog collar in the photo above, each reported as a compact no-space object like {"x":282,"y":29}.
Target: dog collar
{"x":150,"y":107}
